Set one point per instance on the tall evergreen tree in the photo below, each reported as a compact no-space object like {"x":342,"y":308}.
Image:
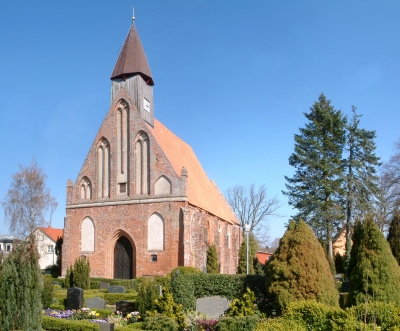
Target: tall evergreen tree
{"x":299,"y":270}
{"x":362,"y":181}
{"x":394,"y":236}
{"x":212,"y":260}
{"x":317,"y":185}
{"x":373,"y":268}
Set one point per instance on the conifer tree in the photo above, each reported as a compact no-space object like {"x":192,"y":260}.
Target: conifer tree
{"x":253,"y":247}
{"x":394,"y":236}
{"x":373,"y":268}
{"x":212,"y":260}
{"x":317,"y":185}
{"x":299,"y":270}
{"x":81,"y":273}
{"x":362,"y":182}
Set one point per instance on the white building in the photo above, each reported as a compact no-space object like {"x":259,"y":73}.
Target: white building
{"x":46,"y":239}
{"x":6,"y":243}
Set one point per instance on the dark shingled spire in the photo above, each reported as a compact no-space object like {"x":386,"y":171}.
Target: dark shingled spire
{"x":132,"y":59}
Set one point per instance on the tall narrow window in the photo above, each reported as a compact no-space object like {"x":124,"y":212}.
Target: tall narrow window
{"x":87,"y":235}
{"x":155,"y":234}
{"x":122,"y":147}
{"x":142,"y":167}
{"x":103,"y":162}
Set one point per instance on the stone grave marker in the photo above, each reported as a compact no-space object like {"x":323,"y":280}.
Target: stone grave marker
{"x":106,"y":326}
{"x":125,"y":307}
{"x":213,"y":306}
{"x":95,"y":303}
{"x":74,"y":298}
{"x":116,"y":289}
{"x":104,"y":285}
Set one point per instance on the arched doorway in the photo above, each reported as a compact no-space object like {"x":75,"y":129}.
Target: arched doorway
{"x":123,"y":259}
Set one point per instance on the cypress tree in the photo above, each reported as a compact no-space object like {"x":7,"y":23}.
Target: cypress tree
{"x":253,"y":247}
{"x":212,"y":260}
{"x":394,"y":236}
{"x":299,"y":270}
{"x":373,"y":268}
{"x":316,"y":188}
{"x":81,"y":273}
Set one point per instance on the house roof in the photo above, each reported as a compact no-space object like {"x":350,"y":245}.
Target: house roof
{"x":201,"y":191}
{"x":132,"y":59}
{"x":52,"y":233}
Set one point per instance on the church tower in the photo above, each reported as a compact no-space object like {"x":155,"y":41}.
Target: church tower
{"x":132,"y":73}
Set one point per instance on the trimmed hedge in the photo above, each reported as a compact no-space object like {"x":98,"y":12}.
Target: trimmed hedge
{"x":59,"y":324}
{"x":280,"y":324}
{"x":159,"y":323}
{"x":247,"y":323}
{"x":133,"y":326}
{"x":187,"y":288}
{"x":111,"y":298}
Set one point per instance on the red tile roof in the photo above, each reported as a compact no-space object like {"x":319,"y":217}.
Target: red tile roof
{"x":52,"y":233}
{"x":201,"y":191}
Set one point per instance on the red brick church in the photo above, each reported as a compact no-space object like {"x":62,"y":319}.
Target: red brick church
{"x":142,"y":203}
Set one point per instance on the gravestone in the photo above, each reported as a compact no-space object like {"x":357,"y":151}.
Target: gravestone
{"x":213,"y":306}
{"x":106,"y":326}
{"x":104,"y":286}
{"x":125,"y":307}
{"x":96,"y":303}
{"x":74,"y":298}
{"x":116,"y":289}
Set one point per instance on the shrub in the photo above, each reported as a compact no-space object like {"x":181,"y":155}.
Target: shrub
{"x":247,"y":323}
{"x":160,"y":323}
{"x":299,"y":270}
{"x":212,"y":260}
{"x":147,"y":293}
{"x":243,"y":307}
{"x":182,"y":289}
{"x":81,"y":273}
{"x":185,"y":271}
{"x":372,"y":266}
{"x":60,"y":324}
{"x":280,"y":324}
{"x":47,"y":293}
{"x":166,"y":306}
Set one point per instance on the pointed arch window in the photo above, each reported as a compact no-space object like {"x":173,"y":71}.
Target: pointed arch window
{"x":103,"y":168}
{"x":122,"y":146}
{"x":86,"y":188}
{"x":142,"y":164}
{"x":155,"y":233}
{"x":87,"y":235}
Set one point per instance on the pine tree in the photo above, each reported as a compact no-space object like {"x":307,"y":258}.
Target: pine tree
{"x":394,"y":236}
{"x":212,"y":260}
{"x":373,"y":268}
{"x":299,"y":270}
{"x":362,"y":182}
{"x":317,"y":185}
{"x":253,"y":247}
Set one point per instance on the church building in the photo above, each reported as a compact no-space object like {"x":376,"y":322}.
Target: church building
{"x":142,"y":203}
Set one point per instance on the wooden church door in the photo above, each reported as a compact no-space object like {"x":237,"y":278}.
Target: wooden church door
{"x":123,"y":259}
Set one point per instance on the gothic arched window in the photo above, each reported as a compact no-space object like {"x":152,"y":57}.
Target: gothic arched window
{"x":142,"y":164}
{"x":122,"y":146}
{"x":87,"y":235}
{"x":155,"y":233}
{"x":103,"y":168}
{"x":86,"y":188}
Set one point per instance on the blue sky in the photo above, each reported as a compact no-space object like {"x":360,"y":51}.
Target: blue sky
{"x":232,"y":79}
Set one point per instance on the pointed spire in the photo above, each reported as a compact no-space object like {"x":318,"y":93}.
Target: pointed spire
{"x":132,"y":59}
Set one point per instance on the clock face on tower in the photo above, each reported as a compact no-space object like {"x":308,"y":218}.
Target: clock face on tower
{"x":146,"y":105}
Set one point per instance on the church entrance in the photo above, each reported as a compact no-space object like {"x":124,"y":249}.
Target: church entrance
{"x":123,"y":259}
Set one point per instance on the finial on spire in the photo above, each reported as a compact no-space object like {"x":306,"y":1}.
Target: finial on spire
{"x":133,"y":14}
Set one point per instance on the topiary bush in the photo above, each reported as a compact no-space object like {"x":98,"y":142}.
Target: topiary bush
{"x":280,"y":324}
{"x":299,"y":270}
{"x":159,"y":323}
{"x":60,"y":324}
{"x":247,"y":323}
{"x":212,"y":260}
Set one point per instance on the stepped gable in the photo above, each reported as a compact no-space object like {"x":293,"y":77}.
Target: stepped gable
{"x":201,"y":191}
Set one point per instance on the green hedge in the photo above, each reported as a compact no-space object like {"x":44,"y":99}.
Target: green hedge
{"x":159,"y":323}
{"x":247,"y":323}
{"x":187,"y":288}
{"x":60,"y":324}
{"x":280,"y":324}
{"x":111,"y":298}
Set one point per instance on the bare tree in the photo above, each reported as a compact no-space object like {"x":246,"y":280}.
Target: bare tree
{"x":253,"y":207}
{"x":28,"y":201}
{"x":388,"y":201}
